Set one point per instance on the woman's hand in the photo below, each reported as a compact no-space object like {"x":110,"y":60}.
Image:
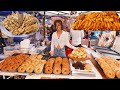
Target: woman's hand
{"x":51,"y":53}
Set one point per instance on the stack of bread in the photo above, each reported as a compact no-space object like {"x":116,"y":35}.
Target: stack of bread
{"x":57,"y":65}
{"x":13,"y":62}
{"x":110,"y":66}
{"x":107,"y":20}
{"x":33,"y":64}
{"x":65,"y":66}
{"x":49,"y":66}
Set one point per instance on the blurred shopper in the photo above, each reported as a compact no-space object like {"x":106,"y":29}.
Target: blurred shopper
{"x":76,"y":35}
{"x":2,"y":43}
{"x":93,"y":36}
{"x":86,"y":35}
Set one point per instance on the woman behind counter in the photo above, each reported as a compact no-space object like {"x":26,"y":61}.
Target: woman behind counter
{"x":60,"y":39}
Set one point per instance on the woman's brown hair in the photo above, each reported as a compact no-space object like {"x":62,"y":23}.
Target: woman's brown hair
{"x":60,"y":22}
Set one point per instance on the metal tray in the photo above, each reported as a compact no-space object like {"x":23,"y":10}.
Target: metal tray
{"x":53,"y":65}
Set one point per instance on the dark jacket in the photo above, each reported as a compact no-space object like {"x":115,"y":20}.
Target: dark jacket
{"x":2,"y":43}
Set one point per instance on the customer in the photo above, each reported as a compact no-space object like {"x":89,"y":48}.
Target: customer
{"x":2,"y":43}
{"x":76,"y":35}
{"x":52,"y":30}
{"x":92,"y":36}
{"x":86,"y":35}
{"x":59,"y":40}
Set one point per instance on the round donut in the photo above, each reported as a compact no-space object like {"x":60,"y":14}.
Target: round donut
{"x":88,"y":66}
{"x":19,"y":62}
{"x":118,"y":74}
{"x":58,"y":61}
{"x":65,"y":60}
{"x":38,"y":69}
{"x":29,"y":62}
{"x":106,"y":67}
{"x":65,"y":71}
{"x":65,"y":64}
{"x":39,"y":57}
{"x":25,"y":65}
{"x":36,"y":62}
{"x":103,"y":65}
{"x":21,"y":69}
{"x":12,"y":68}
{"x":43,"y":61}
{"x":48,"y":70}
{"x":117,"y":63}
{"x":116,"y":70}
{"x":4,"y":68}
{"x":101,"y":61}
{"x":30,"y":69}
{"x":57,"y":70}
{"x":109,"y":74}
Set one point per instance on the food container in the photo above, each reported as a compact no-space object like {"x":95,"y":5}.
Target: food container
{"x":8,"y":50}
{"x":24,"y":50}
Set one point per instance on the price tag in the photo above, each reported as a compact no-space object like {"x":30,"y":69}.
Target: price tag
{"x":52,"y":76}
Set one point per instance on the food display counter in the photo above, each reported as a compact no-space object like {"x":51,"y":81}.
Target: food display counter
{"x":75,"y":72}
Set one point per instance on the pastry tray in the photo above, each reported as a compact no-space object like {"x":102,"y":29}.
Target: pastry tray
{"x":53,"y":65}
{"x":86,"y":73}
{"x":102,"y":70}
{"x":78,"y":59}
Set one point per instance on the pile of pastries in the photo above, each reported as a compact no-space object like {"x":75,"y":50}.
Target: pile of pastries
{"x":12,"y":63}
{"x":57,"y":65}
{"x":82,"y":66}
{"x":33,"y":63}
{"x":23,"y":63}
{"x":107,"y":20}
{"x":78,"y":53}
{"x":27,"y":25}
{"x":110,"y":66}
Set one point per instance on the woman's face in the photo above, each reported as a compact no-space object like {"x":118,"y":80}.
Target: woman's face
{"x":58,"y":26}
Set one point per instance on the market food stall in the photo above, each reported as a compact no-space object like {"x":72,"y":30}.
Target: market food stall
{"x":89,"y":61}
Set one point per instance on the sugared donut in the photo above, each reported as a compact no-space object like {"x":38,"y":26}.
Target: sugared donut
{"x":30,"y":69}
{"x":39,"y":57}
{"x":21,"y":69}
{"x":118,"y":74}
{"x":109,"y":74}
{"x":38,"y":69}
{"x":43,"y":61}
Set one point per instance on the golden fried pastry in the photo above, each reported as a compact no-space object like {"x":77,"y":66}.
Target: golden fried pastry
{"x":109,"y":74}
{"x":88,"y":66}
